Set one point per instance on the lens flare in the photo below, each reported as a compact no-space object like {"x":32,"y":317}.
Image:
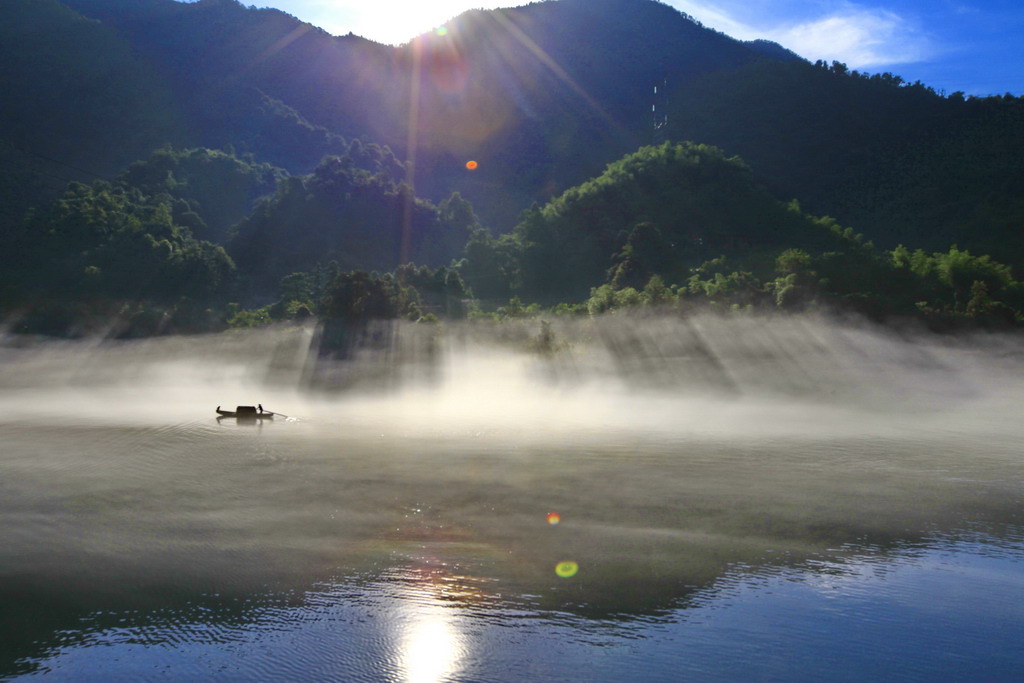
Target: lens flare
{"x":567,"y":569}
{"x":471,"y":165}
{"x":441,"y":30}
{"x":554,"y":518}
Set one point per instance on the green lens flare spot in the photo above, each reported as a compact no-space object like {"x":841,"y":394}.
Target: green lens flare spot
{"x":567,"y":569}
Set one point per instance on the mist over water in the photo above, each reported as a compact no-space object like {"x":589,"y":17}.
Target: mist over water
{"x":756,"y":375}
{"x":394,"y":521}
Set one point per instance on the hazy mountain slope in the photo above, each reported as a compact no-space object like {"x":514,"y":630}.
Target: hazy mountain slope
{"x":542,"y":97}
{"x":224,"y":61}
{"x":551,"y":92}
{"x":78,"y":103}
{"x":895,"y":160}
{"x":659,"y":211}
{"x":211,"y":190}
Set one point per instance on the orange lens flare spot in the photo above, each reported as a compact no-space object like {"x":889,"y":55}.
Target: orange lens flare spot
{"x":554,"y":518}
{"x":567,"y":569}
{"x":471,"y":165}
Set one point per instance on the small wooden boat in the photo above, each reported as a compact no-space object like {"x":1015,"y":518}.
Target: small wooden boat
{"x":245,"y":413}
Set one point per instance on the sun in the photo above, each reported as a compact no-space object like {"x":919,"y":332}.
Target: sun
{"x":391,"y":22}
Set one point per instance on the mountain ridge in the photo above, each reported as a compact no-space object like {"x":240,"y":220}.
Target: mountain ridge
{"x":545,"y":95}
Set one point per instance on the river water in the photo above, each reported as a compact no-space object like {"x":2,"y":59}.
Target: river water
{"x":660,"y":499}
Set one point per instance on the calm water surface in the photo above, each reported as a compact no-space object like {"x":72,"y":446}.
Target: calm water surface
{"x":735,"y":500}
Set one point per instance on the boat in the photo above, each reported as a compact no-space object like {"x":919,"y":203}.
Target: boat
{"x":246,"y":413}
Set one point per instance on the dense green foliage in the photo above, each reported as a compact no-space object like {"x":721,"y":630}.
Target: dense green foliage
{"x":143,"y":249}
{"x":147,"y":239}
{"x":683,"y":225}
{"x":345,"y":213}
{"x":896,"y":159}
{"x":212,"y":190}
{"x":99,"y":251}
{"x":945,"y":290}
{"x":679,"y":225}
{"x":255,"y":208}
{"x":660,"y":211}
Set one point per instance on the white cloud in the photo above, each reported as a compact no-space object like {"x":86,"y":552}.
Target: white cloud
{"x":859,"y":36}
{"x":864,"y":38}
{"x":716,"y":18}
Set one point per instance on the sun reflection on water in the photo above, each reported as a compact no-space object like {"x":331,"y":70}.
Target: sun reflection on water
{"x":431,"y":646}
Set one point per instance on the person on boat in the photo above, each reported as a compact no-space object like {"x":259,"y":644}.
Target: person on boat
{"x":261,"y":407}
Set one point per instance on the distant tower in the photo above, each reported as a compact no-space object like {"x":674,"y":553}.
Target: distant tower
{"x":659,"y":112}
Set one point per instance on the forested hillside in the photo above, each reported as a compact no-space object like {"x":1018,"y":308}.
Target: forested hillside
{"x":684,"y":225}
{"x":231,"y":155}
{"x":78,"y":104}
{"x":541,"y":96}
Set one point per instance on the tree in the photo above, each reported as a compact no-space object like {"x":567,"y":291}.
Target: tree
{"x":659,"y":211}
{"x":647,"y":253}
{"x":960,"y":270}
{"x":490,"y":268}
{"x":340,"y":212}
{"x":359,"y":297}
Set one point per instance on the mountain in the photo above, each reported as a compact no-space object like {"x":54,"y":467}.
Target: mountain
{"x":660,"y":211}
{"x":541,"y":97}
{"x":342,"y":212}
{"x":78,"y":103}
{"x":683,"y":225}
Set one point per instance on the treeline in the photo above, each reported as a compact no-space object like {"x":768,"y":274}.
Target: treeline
{"x":343,"y":211}
{"x":105,"y":251}
{"x":945,"y":290}
{"x":143,"y":251}
{"x":677,"y":227}
{"x":660,"y":211}
{"x":169,"y":246}
{"x":685,"y":225}
{"x":411,"y":292}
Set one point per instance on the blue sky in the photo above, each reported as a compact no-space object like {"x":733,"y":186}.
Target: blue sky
{"x":976,"y":46}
